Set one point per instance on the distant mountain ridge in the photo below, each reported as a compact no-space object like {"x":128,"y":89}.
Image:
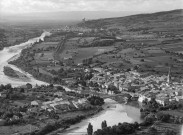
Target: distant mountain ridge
{"x":64,"y":15}
{"x":159,"y":19}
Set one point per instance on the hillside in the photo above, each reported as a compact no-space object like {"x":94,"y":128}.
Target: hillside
{"x":167,"y":19}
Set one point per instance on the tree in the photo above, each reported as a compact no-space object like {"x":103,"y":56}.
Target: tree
{"x":29,"y":86}
{"x":152,"y":131}
{"x":51,"y":86}
{"x":22,"y":90}
{"x":97,"y":102}
{"x":112,"y":88}
{"x":42,"y":54}
{"x":169,"y":132}
{"x":142,"y":60}
{"x":149,"y":119}
{"x":8,"y":86}
{"x":96,"y":89}
{"x":90,"y":129}
{"x":104,"y":124}
{"x":60,"y":88}
{"x":94,"y":100}
{"x":55,"y":79}
{"x":136,"y":125}
{"x":163,"y":117}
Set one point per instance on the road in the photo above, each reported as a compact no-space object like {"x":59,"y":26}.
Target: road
{"x":60,"y":48}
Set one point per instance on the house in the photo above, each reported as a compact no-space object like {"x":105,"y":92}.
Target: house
{"x":162,"y":99}
{"x":56,"y":104}
{"x":33,"y":110}
{"x":178,"y":93}
{"x":20,"y":104}
{"x":15,"y":117}
{"x":116,"y":84}
{"x":34,"y":104}
{"x":59,"y":94}
{"x":80,"y":102}
{"x":80,"y":34}
{"x":100,"y":70}
{"x":3,"y":95}
{"x":179,"y":98}
{"x":144,"y":96}
{"x":135,"y":97}
{"x":120,"y":88}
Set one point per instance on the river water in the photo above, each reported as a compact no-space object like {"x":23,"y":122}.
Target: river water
{"x":12,"y":52}
{"x":113,"y":113}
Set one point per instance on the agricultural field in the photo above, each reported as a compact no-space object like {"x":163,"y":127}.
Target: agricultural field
{"x":45,"y":46}
{"x":84,"y":53}
{"x":79,"y":48}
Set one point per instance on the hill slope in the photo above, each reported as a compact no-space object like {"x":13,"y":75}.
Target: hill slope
{"x":165,"y":19}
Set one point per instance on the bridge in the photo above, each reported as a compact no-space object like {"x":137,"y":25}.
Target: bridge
{"x":124,"y":94}
{"x":113,"y":96}
{"x":73,"y":133}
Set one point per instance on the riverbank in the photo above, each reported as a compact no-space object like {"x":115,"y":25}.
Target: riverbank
{"x":16,"y":35}
{"x":74,"y":122}
{"x":23,"y":62}
{"x":67,"y":119}
{"x":10,"y":52}
{"x":111,"y":109}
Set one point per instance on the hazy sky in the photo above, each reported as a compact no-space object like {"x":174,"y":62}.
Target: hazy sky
{"x":24,"y":6}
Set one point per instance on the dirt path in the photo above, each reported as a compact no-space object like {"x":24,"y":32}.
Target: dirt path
{"x":60,"y":48}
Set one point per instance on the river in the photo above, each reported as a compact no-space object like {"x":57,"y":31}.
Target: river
{"x":13,"y":52}
{"x":113,"y":113}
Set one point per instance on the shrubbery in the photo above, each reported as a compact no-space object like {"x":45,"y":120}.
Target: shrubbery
{"x":120,"y":129}
{"x":94,"y":100}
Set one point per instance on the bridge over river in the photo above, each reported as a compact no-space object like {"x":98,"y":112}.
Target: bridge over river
{"x":124,"y":94}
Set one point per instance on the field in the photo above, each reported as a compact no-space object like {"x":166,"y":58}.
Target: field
{"x":73,"y":50}
{"x":46,"y":46}
{"x":178,"y":113}
{"x":84,"y":53}
{"x":163,"y":126}
{"x":9,"y":130}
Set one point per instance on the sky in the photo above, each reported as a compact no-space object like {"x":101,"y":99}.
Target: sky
{"x":29,"y":6}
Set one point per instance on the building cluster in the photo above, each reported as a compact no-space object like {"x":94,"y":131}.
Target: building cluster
{"x":42,"y":102}
{"x":74,"y":29}
{"x":60,"y":104}
{"x":142,"y":86}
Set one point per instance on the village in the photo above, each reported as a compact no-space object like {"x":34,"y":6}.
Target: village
{"x":139,"y":85}
{"x":45,"y":104}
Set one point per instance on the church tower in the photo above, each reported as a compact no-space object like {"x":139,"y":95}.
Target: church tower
{"x":169,"y":77}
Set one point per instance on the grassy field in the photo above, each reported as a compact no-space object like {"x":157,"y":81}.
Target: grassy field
{"x":46,"y":45}
{"x":9,"y":130}
{"x":163,"y":126}
{"x":84,"y":53}
{"x":178,"y":113}
{"x":72,"y":49}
